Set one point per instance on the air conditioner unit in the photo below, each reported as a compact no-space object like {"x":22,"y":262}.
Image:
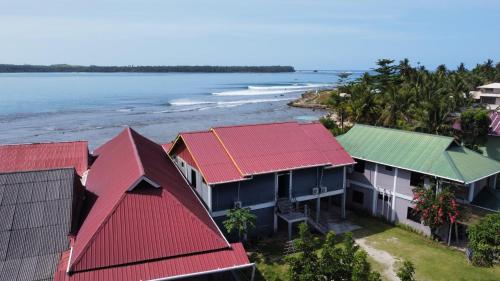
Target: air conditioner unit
{"x":324,"y":189}
{"x":237,"y":204}
{"x":315,"y":191}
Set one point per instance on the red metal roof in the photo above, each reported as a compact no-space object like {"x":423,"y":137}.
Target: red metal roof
{"x":44,"y":156}
{"x":227,"y":258}
{"x":232,"y":153}
{"x":132,"y":223}
{"x":213,"y":160}
{"x":182,"y":151}
{"x":495,"y":123}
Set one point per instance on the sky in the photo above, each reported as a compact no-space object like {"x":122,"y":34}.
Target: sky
{"x":307,"y":34}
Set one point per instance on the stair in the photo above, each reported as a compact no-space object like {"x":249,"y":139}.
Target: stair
{"x":290,"y":248}
{"x":285,"y":206}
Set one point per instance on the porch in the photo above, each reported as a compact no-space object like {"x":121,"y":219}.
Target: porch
{"x":322,"y":214}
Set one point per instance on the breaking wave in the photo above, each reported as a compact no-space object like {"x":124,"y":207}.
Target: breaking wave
{"x":272,"y":90}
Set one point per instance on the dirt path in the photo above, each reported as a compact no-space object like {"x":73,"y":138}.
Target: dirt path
{"x":382,"y":257}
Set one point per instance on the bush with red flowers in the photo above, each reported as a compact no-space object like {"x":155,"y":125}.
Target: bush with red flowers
{"x":435,"y":208}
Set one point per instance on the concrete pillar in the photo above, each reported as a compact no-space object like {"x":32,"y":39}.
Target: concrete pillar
{"x":471,"y":191}
{"x":318,"y":208}
{"x":375,"y":192}
{"x":393,"y":203}
{"x":494,"y":185}
{"x":344,"y":195}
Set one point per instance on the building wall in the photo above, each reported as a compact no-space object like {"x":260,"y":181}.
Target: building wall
{"x":367,"y":197}
{"x":385,"y":178}
{"x":333,"y":178}
{"x":368,"y":177}
{"x":401,"y":208}
{"x":304,"y":180}
{"x":258,"y":190}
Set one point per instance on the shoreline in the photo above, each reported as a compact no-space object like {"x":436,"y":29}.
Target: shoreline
{"x":312,"y":100}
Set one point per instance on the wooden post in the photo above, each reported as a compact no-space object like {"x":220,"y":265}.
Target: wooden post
{"x":289,"y":231}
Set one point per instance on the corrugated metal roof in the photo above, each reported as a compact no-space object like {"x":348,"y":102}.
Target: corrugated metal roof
{"x":42,"y":156}
{"x":132,"y":226}
{"x":429,"y":154}
{"x":231,"y":153}
{"x":495,"y":123}
{"x":35,"y":220}
{"x":226,"y":258}
{"x":209,"y":154}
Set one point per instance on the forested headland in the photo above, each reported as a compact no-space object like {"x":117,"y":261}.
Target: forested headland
{"x":16,"y":68}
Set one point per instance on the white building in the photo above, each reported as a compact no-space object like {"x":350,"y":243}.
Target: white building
{"x":488,"y":94}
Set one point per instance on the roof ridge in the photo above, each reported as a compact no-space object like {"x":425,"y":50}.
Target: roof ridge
{"x":39,"y":170}
{"x":401,"y":130}
{"x":48,"y":142}
{"x":452,"y":165}
{"x":227,"y":151}
{"x":136,"y":151}
{"x":479,"y":154}
{"x":255,"y":124}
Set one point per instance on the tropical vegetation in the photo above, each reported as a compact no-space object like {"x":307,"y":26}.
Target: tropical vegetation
{"x":399,"y":95}
{"x":484,"y":240}
{"x":330,"y":261}
{"x":240,"y":221}
{"x":14,"y":68}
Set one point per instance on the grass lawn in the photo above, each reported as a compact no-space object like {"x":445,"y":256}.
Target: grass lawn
{"x":432,"y":260}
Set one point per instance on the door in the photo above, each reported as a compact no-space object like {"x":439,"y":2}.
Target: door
{"x":283,"y":185}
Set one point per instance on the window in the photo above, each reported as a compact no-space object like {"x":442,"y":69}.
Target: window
{"x":388,"y":168}
{"x":416,"y":179}
{"x":488,"y":100}
{"x":412,"y":215}
{"x":386,"y":198}
{"x":358,"y":197}
{"x":360,"y":166}
{"x":182,"y":163}
{"x":193,"y":178}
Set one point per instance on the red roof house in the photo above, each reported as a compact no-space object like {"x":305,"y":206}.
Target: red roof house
{"x":44,"y":156}
{"x":263,"y":167}
{"x":146,"y":223}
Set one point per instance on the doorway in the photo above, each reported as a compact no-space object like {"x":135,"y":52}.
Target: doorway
{"x":284,"y":185}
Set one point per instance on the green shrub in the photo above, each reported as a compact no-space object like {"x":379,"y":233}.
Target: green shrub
{"x":484,"y":240}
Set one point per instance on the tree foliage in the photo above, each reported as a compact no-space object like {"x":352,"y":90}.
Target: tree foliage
{"x":399,"y":95}
{"x":484,"y":240}
{"x":407,"y":271}
{"x":239,"y":220}
{"x":12,"y":68}
{"x":436,"y":207}
{"x":329,"y":261}
{"x":475,"y":124}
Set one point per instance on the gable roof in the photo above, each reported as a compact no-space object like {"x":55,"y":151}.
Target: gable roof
{"x":35,"y":220}
{"x":225,"y":154}
{"x":144,"y":210}
{"x":425,"y":153}
{"x":490,"y":86}
{"x":42,"y":156}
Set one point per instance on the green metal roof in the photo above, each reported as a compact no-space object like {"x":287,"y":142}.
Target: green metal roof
{"x":425,"y":153}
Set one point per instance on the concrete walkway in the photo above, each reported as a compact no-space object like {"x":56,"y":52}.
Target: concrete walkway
{"x":381,"y":257}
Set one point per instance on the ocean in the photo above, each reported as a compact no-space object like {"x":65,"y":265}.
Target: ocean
{"x":41,"y":107}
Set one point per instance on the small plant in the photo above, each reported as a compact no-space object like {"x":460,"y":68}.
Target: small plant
{"x":239,"y":220}
{"x":407,"y":271}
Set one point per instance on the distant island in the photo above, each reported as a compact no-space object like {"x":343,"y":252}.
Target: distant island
{"x":13,"y":68}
